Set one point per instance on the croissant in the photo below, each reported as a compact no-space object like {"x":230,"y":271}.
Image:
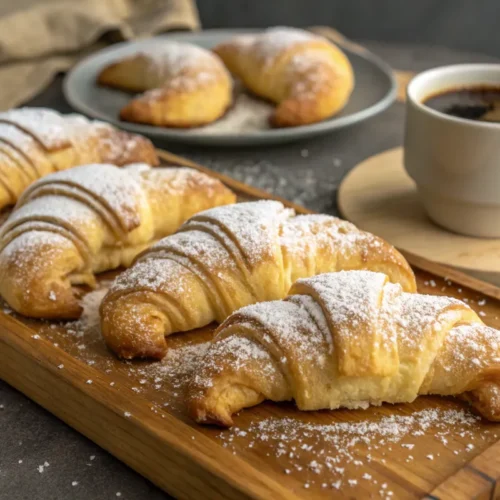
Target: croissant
{"x":347,"y":339}
{"x":36,"y":141}
{"x":228,"y":257}
{"x":306,"y":76}
{"x":184,"y":85}
{"x":71,"y":225}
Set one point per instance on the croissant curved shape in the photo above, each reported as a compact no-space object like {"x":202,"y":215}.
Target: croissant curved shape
{"x":71,"y":225}
{"x":306,"y":76}
{"x":228,"y":257}
{"x":347,"y":339}
{"x":184,"y":85}
{"x":35,"y":142}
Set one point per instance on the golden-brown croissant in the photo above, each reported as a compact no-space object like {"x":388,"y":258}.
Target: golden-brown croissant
{"x":348,"y":339}
{"x":36,"y":141}
{"x":225,"y":258}
{"x":184,"y":85}
{"x":308,"y":77}
{"x":71,"y":225}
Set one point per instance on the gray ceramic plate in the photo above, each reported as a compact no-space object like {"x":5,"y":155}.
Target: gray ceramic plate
{"x":375,"y":90}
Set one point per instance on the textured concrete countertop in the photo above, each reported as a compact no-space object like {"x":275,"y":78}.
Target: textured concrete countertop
{"x":43,"y":458}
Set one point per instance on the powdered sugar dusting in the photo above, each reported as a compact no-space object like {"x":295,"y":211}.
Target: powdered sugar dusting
{"x":253,"y":225}
{"x":24,"y":252}
{"x":180,"y":179}
{"x":91,"y":302}
{"x":116,"y":188}
{"x":374,"y":330}
{"x":170,"y":58}
{"x":348,"y":451}
{"x":247,"y":114}
{"x":349,"y":298}
{"x":339,"y":453}
{"x":17,"y":138}
{"x":151,"y":274}
{"x":228,"y":243}
{"x":177,"y":366}
{"x":46,"y":125}
{"x":177,"y":65}
{"x":269,"y":44}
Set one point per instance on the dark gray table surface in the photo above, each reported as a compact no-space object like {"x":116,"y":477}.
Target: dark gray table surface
{"x":307,"y":172}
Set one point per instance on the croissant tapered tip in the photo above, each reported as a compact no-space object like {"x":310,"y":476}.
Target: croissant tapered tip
{"x":132,"y":329}
{"x":56,"y":301}
{"x":154,"y":352}
{"x":485,"y":400}
{"x":200,"y":411}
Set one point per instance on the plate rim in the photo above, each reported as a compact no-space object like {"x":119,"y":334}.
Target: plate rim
{"x":268,"y":136}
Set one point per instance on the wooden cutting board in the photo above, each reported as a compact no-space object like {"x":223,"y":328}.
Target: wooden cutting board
{"x":434,"y":447}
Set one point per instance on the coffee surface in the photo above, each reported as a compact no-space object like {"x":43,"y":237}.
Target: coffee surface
{"x":481,"y":103}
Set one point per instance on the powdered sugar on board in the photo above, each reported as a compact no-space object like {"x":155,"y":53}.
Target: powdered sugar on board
{"x":450,"y":443}
{"x":339,"y":454}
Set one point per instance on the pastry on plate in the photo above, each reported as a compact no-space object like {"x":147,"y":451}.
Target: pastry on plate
{"x":181,"y":85}
{"x":349,"y":339}
{"x":71,"y":225}
{"x":35,"y":142}
{"x":228,"y":257}
{"x":305,"y":75}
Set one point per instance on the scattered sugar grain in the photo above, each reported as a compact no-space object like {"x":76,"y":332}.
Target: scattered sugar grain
{"x":332,"y":446}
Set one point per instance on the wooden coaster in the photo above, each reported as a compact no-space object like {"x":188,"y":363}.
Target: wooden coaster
{"x":378,"y":196}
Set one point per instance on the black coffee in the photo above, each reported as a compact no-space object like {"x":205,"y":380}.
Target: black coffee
{"x":473,"y":103}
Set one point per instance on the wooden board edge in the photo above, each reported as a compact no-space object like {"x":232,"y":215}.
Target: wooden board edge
{"x":415,"y":261}
{"x":479,"y":478}
{"x":467,"y":482}
{"x":179,"y":452}
{"x":452,"y":274}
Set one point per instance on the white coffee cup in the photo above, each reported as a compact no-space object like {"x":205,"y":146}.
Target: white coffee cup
{"x":455,"y":162}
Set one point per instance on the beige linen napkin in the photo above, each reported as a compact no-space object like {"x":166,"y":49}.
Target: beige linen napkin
{"x":40,"y":38}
